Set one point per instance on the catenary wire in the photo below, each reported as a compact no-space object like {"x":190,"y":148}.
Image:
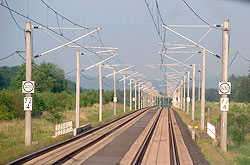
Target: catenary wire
{"x":13,"y":16}
{"x":75,"y":24}
{"x":70,"y":71}
{"x":199,"y":16}
{"x":233,"y":59}
{"x":243,"y":57}
{"x":49,"y":29}
{"x":105,"y":83}
{"x":7,"y":56}
{"x":88,"y":77}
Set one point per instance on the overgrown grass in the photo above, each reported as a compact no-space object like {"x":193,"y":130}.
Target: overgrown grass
{"x":214,"y":155}
{"x":237,"y":153}
{"x":211,"y":152}
{"x":12,"y":137}
{"x":12,"y":132}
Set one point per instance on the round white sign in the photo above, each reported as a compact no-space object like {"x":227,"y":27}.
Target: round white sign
{"x":28,"y":86}
{"x":224,"y":88}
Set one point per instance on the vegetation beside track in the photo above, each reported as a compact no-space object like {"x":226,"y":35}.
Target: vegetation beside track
{"x":12,"y":132}
{"x":238,"y":133}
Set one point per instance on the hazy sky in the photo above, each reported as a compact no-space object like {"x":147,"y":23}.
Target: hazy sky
{"x":127,"y":25}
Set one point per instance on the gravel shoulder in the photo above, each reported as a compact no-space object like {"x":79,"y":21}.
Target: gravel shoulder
{"x":194,"y":150}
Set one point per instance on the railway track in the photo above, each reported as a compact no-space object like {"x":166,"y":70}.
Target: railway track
{"x":140,"y":155}
{"x":64,"y":151}
{"x":162,"y":143}
{"x":174,"y":158}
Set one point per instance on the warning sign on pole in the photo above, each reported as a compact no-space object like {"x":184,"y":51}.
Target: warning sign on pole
{"x":28,"y":86}
{"x":224,"y":88}
{"x":27,"y":103}
{"x":115,"y":99}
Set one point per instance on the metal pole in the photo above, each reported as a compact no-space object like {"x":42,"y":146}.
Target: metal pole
{"x":184,"y":94}
{"x":199,"y":83}
{"x":193,"y":93}
{"x":188,"y":90}
{"x":142,"y":98}
{"x":203,"y":87}
{"x":130,"y":94}
{"x":163,"y":101}
{"x":115,"y":98}
{"x":135,"y":96}
{"x":124,"y":93}
{"x":223,"y":142}
{"x":100,"y":92}
{"x":77,"y":88}
{"x":181,"y":96}
{"x":139,"y":97}
{"x":28,"y":123}
{"x":152,"y":98}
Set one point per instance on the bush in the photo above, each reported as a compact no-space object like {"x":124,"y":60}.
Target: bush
{"x":54,"y":116}
{"x":89,"y":98}
{"x":235,"y":133}
{"x":4,"y":113}
{"x":6,"y":108}
{"x":108,"y":96}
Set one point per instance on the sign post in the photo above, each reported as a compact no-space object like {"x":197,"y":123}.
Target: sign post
{"x":223,"y":140}
{"x":28,"y":85}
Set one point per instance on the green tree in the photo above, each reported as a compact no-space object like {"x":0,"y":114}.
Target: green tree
{"x":240,"y":88}
{"x":108,"y":96}
{"x":6,"y":105}
{"x":5,"y":75}
{"x":47,"y":76}
{"x":212,"y":95}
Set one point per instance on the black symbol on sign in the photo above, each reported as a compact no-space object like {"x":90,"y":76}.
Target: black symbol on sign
{"x":28,"y":103}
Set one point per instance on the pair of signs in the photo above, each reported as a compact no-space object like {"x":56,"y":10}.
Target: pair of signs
{"x":28,"y":87}
{"x":224,"y":88}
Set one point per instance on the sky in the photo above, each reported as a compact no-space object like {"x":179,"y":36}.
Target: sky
{"x":127,"y":25}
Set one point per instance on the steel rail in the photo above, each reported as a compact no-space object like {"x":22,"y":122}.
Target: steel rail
{"x":174,"y":158}
{"x":140,"y":154}
{"x":75,"y":152}
{"x":38,"y":153}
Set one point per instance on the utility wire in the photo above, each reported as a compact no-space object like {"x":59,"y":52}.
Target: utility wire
{"x":21,"y":56}
{"x":7,"y":56}
{"x":105,"y":83}
{"x":228,"y":65}
{"x":100,"y":40}
{"x":244,"y":57}
{"x":58,"y":24}
{"x":13,"y":16}
{"x":199,"y":16}
{"x":88,"y":77}
{"x":233,"y":60}
{"x":157,"y":27}
{"x":70,"y":72}
{"x":48,"y":29}
{"x":75,"y":24}
{"x":63,"y":16}
{"x":35,"y":67}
